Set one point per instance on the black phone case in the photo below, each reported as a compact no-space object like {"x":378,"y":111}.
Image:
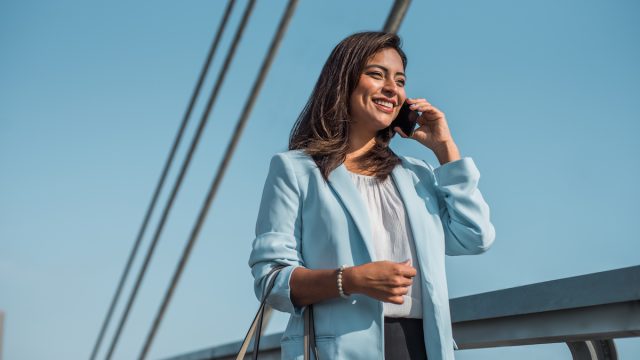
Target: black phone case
{"x":406,"y":119}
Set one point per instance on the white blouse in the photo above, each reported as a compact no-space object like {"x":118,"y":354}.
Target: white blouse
{"x":392,"y":236}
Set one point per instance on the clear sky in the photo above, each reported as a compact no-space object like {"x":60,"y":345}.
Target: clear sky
{"x":543,"y":95}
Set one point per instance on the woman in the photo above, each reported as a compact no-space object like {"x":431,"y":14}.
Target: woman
{"x":361,"y":231}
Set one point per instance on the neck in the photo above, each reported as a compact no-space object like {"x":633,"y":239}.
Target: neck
{"x":360,"y":143}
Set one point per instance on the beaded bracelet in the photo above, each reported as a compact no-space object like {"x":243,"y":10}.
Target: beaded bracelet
{"x":340,"y":290}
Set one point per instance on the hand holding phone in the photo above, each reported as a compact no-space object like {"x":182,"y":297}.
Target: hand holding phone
{"x":406,"y":120}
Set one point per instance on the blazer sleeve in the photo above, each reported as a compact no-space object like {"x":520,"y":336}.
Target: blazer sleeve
{"x":278,"y":234}
{"x":463,"y":211}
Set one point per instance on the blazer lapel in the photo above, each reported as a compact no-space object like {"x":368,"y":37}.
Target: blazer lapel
{"x":346,"y":190}
{"x":416,"y":214}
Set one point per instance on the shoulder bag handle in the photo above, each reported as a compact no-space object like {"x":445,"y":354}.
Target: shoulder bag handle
{"x":309,"y":332}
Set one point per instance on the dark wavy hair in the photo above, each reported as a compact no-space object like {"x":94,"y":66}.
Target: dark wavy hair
{"x":322,"y":128}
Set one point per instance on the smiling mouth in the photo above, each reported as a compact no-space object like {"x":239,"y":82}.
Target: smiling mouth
{"x":385,"y":106}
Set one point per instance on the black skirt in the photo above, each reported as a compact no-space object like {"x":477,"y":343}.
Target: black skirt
{"x":404,"y":339}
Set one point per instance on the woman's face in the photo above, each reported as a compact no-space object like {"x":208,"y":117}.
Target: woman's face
{"x":377,"y":99}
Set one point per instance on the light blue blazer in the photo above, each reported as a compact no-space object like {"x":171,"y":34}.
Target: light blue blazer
{"x":304,"y":221}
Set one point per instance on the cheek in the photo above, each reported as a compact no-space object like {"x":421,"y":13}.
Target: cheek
{"x":357,"y":101}
{"x":402,"y":95}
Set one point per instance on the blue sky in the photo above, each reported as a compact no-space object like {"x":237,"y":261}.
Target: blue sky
{"x":541,"y":94}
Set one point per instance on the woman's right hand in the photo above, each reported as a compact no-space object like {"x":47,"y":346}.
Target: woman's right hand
{"x":382,"y":280}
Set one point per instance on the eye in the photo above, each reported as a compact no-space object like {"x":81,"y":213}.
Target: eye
{"x":400,"y":82}
{"x":376,"y":74}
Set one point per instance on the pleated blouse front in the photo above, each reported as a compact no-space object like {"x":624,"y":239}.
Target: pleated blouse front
{"x":392,"y":236}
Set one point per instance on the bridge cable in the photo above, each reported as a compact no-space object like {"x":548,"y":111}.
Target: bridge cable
{"x":396,"y":15}
{"x":163,"y":176}
{"x":182,"y":173}
{"x":275,"y":43}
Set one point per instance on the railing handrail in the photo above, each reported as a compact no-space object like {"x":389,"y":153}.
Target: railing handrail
{"x":600,"y":288}
{"x":610,"y":300}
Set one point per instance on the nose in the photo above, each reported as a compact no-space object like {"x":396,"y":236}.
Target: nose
{"x":390,"y":88}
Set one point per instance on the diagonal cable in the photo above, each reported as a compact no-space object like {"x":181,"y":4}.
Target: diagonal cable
{"x":183,"y":170}
{"x":163,"y":176}
{"x":275,"y":43}
{"x":396,"y":15}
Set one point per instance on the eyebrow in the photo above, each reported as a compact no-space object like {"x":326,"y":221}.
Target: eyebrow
{"x":384,"y":69}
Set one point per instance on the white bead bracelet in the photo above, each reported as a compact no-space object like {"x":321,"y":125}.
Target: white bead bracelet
{"x":340,"y":290}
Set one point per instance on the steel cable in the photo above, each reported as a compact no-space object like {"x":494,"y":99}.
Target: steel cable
{"x":182,"y":173}
{"x":275,"y":43}
{"x":163,"y":176}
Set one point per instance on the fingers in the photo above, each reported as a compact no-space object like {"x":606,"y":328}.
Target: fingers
{"x":405,"y":269}
{"x":399,"y":291}
{"x":422,"y":105}
{"x":398,"y":295}
{"x":402,"y":281}
{"x":388,"y":281}
{"x":409,"y":271}
{"x":399,"y":131}
{"x":416,"y":104}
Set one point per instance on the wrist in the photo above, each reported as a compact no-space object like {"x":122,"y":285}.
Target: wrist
{"x":446,"y":151}
{"x":348,"y":281}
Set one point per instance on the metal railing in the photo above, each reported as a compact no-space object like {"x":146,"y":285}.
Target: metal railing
{"x":586,"y":312}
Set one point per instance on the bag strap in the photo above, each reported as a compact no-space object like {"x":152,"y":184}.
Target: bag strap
{"x":310,"y":335}
{"x":265,"y":310}
{"x":257,"y":320}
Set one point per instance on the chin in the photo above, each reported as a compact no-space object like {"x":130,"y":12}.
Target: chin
{"x":383,"y":123}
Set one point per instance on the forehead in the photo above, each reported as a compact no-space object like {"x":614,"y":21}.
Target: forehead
{"x":389,"y":58}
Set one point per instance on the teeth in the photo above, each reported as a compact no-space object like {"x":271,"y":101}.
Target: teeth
{"x":383,"y":103}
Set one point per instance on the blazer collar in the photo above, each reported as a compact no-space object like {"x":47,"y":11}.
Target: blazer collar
{"x":341,"y":182}
{"x":416,"y":211}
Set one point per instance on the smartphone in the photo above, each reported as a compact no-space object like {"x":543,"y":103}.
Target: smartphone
{"x":406,"y":119}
